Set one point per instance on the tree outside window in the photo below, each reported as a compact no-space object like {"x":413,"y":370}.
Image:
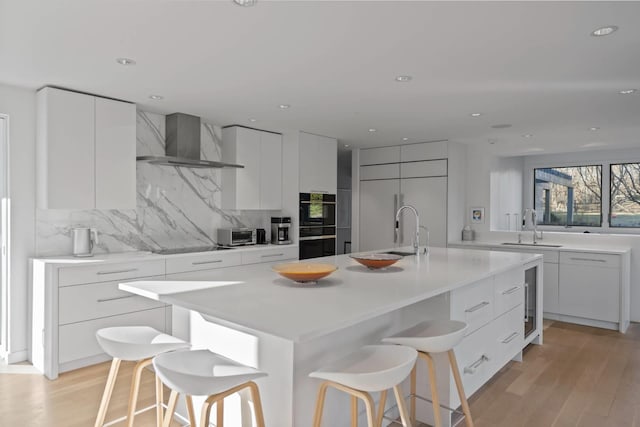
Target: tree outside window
{"x":625,"y":195}
{"x":569,"y":196}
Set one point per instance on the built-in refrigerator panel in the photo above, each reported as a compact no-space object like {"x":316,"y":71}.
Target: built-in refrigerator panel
{"x":378,"y":204}
{"x":429,"y":197}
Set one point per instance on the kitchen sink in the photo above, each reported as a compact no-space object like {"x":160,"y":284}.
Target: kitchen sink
{"x":532,"y":245}
{"x":401,"y":253}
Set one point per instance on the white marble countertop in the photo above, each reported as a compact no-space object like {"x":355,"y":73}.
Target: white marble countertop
{"x":69,"y":260}
{"x":573,"y":247}
{"x":256,"y":298}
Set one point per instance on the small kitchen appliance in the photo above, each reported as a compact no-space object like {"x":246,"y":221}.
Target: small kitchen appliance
{"x":236,"y":236}
{"x":280,"y":227}
{"x":83,"y":241}
{"x":261,"y":236}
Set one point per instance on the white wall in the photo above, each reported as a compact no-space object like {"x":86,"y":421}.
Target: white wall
{"x":456,"y":190}
{"x":20,"y":105}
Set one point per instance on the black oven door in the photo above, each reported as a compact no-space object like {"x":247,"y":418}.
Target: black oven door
{"x":317,"y":248}
{"x":317,"y":209}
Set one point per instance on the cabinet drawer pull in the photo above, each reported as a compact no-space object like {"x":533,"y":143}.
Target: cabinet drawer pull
{"x":589,"y":259}
{"x":471,"y":369}
{"x":115,"y":298}
{"x":129,"y":270}
{"x":215,"y":261}
{"x":510,"y":338}
{"x":477,"y":307}
{"x":511,"y":290}
{"x":271,"y":255}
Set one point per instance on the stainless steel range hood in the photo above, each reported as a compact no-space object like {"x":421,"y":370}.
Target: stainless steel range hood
{"x":182,"y":146}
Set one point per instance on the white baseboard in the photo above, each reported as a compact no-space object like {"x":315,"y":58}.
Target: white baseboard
{"x":582,"y":321}
{"x":16,"y":357}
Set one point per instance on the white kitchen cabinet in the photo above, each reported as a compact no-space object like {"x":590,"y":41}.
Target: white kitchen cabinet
{"x":318,"y":164}
{"x":589,"y":288}
{"x":259,"y":184}
{"x":429,"y":197}
{"x":424,"y":151}
{"x":551,"y":291}
{"x":378,"y":156}
{"x":115,"y":152}
{"x":86,"y":151}
{"x":378,"y":204}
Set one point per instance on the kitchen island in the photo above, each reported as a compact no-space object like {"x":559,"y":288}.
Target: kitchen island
{"x":252,"y":315}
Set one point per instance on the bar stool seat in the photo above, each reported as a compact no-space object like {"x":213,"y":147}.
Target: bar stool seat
{"x":204,"y":373}
{"x":133,"y":343}
{"x":374,"y":368}
{"x":429,"y":337}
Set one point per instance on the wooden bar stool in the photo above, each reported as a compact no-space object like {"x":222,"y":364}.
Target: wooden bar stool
{"x":133,"y":343}
{"x":203,"y":373}
{"x":435,"y":336}
{"x":374,"y":368}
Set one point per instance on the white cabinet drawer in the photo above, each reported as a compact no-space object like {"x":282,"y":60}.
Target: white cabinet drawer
{"x":78,"y":340}
{"x":423,"y":169}
{"x":109,"y":272}
{"x":473,"y":304}
{"x":207,"y":261}
{"x":474,"y":357}
{"x":590,"y":259}
{"x":508,"y":290}
{"x":508,"y":338}
{"x":96,"y":300}
{"x":391,"y":171}
{"x":376,"y":156}
{"x":269,"y":255}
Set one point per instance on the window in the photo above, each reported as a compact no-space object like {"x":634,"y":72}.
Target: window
{"x":625,"y":195}
{"x":569,"y":196}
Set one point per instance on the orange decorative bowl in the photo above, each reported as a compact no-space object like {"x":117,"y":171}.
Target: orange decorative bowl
{"x":304,"y":272}
{"x":375,"y":261}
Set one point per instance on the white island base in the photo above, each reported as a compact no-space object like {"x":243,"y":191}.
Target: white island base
{"x":299,"y":329}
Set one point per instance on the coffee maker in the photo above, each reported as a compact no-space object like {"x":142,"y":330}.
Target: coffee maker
{"x":280,"y":226}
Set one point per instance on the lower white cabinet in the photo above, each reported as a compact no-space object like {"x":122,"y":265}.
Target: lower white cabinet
{"x":551,"y":282}
{"x":494,"y":310}
{"x":590,"y":291}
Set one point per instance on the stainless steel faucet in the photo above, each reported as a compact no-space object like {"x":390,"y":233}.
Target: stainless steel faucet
{"x":416,"y":241}
{"x":534,"y":220}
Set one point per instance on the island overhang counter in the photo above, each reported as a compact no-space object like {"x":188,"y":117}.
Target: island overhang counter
{"x":254,"y":316}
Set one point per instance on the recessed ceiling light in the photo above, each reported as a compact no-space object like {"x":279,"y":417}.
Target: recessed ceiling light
{"x":156,"y":97}
{"x":252,"y":120}
{"x":246,"y":3}
{"x":492,"y":141}
{"x":527,"y":135}
{"x":604,"y":31}
{"x":627,"y":91}
{"x":284,"y":106}
{"x":404,"y":79}
{"x":346,"y":145}
{"x":125,"y":61}
{"x":593,"y":129}
{"x":501,"y":126}
{"x":372,"y":130}
{"x":405,"y":139}
{"x":475,"y":114}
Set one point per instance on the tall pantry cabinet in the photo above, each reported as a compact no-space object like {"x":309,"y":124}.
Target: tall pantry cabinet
{"x":390,"y":177}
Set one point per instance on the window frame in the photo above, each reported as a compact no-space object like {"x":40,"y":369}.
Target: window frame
{"x":602,"y":204}
{"x":611,"y":226}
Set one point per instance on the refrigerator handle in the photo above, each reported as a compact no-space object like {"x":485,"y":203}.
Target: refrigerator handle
{"x":401,"y":228}
{"x":395,"y":223}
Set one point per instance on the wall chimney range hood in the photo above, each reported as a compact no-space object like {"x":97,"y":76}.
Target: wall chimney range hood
{"x":182,"y":145}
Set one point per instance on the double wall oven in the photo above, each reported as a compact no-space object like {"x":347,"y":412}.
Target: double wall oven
{"x":317,"y":225}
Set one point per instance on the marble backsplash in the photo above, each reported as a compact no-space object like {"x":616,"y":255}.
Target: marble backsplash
{"x":175,"y":207}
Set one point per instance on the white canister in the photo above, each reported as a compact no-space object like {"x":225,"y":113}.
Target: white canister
{"x":467,"y":234}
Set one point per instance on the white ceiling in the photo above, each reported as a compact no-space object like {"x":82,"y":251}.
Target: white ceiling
{"x":530,"y":64}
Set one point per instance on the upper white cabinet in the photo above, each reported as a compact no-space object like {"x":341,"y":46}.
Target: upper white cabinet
{"x":424,"y":151}
{"x":86,"y":156}
{"x":318,"y":164}
{"x":378,"y":156}
{"x":259,"y":184}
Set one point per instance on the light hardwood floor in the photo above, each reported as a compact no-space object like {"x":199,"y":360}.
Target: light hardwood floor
{"x":582,"y":376}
